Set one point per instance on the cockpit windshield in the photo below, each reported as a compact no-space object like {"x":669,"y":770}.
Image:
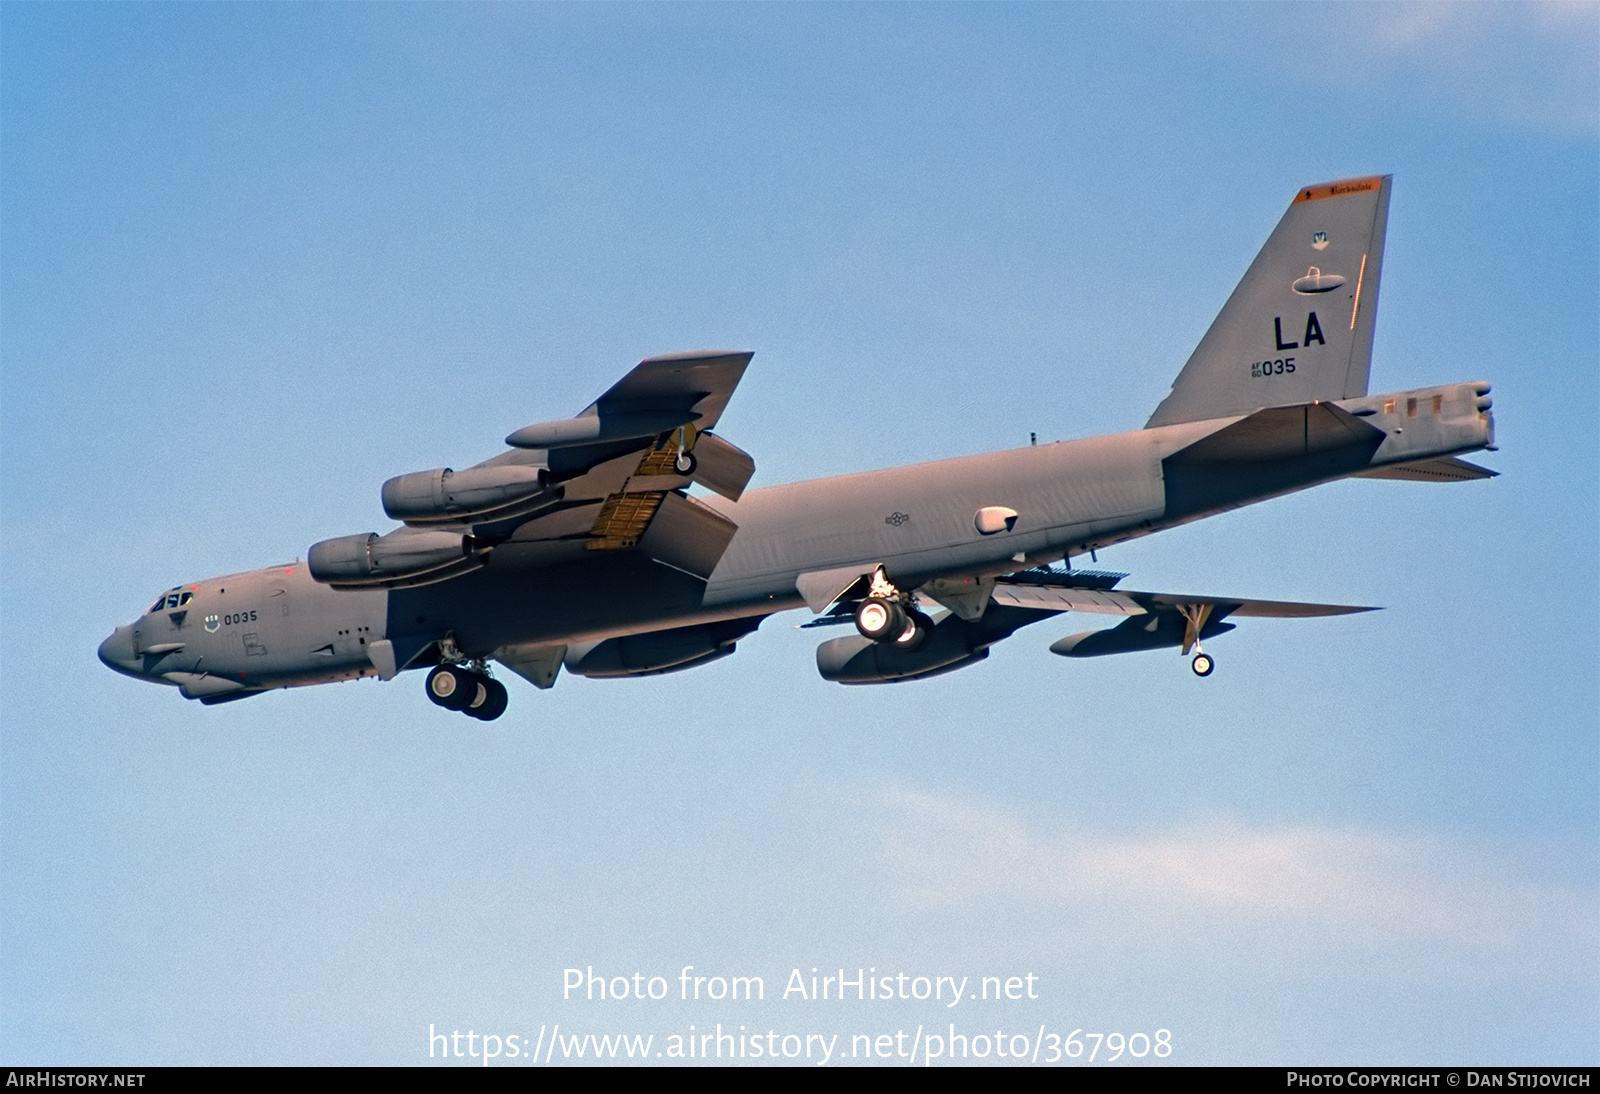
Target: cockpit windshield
{"x":175,"y":598}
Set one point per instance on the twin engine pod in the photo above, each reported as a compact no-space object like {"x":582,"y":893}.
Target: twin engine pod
{"x":857,"y":660}
{"x":406,"y":556}
{"x":419,"y":554}
{"x":484,"y":493}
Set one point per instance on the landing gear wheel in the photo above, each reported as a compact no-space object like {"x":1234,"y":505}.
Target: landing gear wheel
{"x":491,"y":700}
{"x":880,"y":619}
{"x":452,"y":687}
{"x":685,"y":464}
{"x":918,"y":628}
{"x":1202,"y":664}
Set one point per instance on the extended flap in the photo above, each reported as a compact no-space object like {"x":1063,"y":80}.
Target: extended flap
{"x":723,"y":468}
{"x":687,"y":535}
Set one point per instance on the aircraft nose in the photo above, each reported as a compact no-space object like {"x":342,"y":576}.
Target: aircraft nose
{"x":116,"y":652}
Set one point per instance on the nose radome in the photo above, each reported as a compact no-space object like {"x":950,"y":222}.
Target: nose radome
{"x":116,"y":652}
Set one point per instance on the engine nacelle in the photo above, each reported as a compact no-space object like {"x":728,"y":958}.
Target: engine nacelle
{"x":858,"y":660}
{"x":658,"y":651}
{"x":451,"y":495}
{"x":370,"y":558}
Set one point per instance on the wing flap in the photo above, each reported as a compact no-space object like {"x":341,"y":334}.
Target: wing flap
{"x":1261,"y":609}
{"x":1102,"y":601}
{"x":722,"y":467}
{"x":687,"y":535}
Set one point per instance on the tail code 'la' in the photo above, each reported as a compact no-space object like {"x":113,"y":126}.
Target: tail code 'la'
{"x":1299,"y":327}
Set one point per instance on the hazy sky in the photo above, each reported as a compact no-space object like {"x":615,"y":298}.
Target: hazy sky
{"x":254,"y":260}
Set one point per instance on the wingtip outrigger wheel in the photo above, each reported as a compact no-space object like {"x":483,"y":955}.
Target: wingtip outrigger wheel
{"x":1195,"y":617}
{"x":685,"y":463}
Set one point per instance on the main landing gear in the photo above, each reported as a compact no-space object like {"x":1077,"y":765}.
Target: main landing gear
{"x":890,"y":616}
{"x":472,"y":693}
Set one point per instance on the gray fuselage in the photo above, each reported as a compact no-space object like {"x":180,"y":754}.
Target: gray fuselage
{"x":277,"y":627}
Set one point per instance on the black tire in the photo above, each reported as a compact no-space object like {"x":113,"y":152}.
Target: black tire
{"x":685,"y":464}
{"x":1203,"y":664}
{"x":452,"y":687}
{"x":880,"y":619}
{"x":918,"y":628}
{"x":493,"y":703}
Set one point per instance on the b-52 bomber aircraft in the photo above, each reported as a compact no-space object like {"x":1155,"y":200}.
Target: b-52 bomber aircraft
{"x":580,"y":546}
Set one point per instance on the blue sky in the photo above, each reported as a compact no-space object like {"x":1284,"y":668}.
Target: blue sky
{"x":254,"y":260}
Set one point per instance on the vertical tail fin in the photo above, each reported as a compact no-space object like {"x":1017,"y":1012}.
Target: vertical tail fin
{"x":1299,"y":326}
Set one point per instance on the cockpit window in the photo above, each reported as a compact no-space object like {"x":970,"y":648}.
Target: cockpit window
{"x":173,"y":599}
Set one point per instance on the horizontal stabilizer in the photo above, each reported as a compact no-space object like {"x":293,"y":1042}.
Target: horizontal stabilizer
{"x":1282,"y":433}
{"x":1444,"y":469}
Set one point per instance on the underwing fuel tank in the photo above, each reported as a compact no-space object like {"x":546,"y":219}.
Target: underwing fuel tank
{"x":1158,"y":631}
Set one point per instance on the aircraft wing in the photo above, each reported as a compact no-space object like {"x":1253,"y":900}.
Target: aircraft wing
{"x":611,"y":478}
{"x":699,"y":382}
{"x":1154,"y":620}
{"x":1130,"y":602}
{"x":671,"y":400}
{"x":621,"y":466}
